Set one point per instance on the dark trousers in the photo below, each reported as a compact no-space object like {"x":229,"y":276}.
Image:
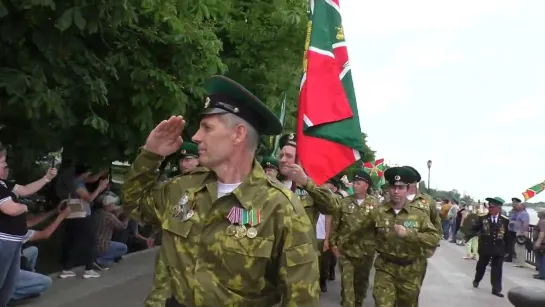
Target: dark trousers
{"x":511,"y":248}
{"x":172,"y":302}
{"x":78,"y":244}
{"x":331,"y":263}
{"x":496,"y":268}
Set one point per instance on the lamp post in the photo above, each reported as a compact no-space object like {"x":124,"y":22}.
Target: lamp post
{"x":429,"y":172}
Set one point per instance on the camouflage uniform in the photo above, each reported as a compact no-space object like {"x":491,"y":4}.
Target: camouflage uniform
{"x":427,"y":204}
{"x":205,"y":265}
{"x":317,"y":200}
{"x":357,"y":254}
{"x":399,"y":263}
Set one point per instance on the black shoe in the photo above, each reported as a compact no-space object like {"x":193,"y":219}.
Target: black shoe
{"x":23,"y":301}
{"x":475,"y":284}
{"x":118,"y":259}
{"x":332,"y":276}
{"x":100,"y":267}
{"x":497,"y":293}
{"x":323,"y":287}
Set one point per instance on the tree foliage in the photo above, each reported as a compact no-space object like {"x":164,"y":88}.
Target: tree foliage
{"x":94,"y":77}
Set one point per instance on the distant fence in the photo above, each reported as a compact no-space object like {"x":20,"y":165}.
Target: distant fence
{"x":531,"y":255}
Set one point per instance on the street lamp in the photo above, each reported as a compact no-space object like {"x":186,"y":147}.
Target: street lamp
{"x":429,"y":171}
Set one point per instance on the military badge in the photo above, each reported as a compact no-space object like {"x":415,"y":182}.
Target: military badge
{"x":183,"y":151}
{"x":397,"y":177}
{"x":207,"y":102}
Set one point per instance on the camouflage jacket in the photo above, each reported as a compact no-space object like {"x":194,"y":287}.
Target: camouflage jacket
{"x":427,"y":203}
{"x":206,"y":264}
{"x":317,"y":200}
{"x":422,"y":234}
{"x":346,"y":221}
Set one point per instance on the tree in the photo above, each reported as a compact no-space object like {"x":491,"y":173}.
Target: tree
{"x":94,"y":79}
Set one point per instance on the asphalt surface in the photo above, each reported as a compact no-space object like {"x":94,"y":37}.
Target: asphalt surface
{"x":448,"y":283}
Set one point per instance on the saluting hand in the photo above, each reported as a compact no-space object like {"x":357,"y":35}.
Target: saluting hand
{"x":166,"y":138}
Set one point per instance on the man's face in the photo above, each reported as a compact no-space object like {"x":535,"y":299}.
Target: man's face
{"x":360,"y":186}
{"x":494,"y":209}
{"x":287,"y":158}
{"x":216,"y":141}
{"x":188,"y":164}
{"x":271,"y":172}
{"x":398,"y":193}
{"x":517,"y":206}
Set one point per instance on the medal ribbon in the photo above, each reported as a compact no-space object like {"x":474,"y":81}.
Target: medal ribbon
{"x":231,"y":216}
{"x":244,"y":216}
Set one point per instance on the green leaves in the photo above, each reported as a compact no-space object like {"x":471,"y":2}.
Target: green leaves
{"x":66,"y":19}
{"x":69,"y":17}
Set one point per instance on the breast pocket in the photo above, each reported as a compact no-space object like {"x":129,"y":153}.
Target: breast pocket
{"x":246,"y":261}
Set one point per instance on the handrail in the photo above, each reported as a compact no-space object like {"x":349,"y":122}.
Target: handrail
{"x":531,"y":255}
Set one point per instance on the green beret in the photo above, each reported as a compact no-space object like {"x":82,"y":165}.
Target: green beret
{"x":269,"y":162}
{"x":417,"y":177}
{"x":288,"y":139}
{"x":227,"y":96}
{"x":495,"y":201}
{"x":361,"y":174}
{"x":189,"y":149}
{"x":399,"y":176}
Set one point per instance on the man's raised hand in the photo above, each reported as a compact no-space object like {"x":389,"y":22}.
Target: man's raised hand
{"x":166,"y":138}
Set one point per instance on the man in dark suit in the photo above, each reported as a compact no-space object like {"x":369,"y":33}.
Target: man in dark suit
{"x":493,"y":233}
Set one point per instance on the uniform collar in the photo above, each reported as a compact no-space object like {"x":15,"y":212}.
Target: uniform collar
{"x":256,"y":179}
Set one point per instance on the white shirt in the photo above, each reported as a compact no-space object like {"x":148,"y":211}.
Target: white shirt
{"x":287,"y":183}
{"x":320,"y":227}
{"x":494,"y":218}
{"x":359,"y":201}
{"x":226,"y":188}
{"x":411,"y":196}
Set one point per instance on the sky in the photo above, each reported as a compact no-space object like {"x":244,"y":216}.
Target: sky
{"x":461,"y":83}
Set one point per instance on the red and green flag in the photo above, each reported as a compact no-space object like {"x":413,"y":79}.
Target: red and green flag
{"x":533,"y":191}
{"x":376,"y":171}
{"x":328,"y":126}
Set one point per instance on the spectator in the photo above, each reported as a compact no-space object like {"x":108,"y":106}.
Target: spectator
{"x":28,"y":283}
{"x":107,"y":222}
{"x":539,"y":245}
{"x":13,"y":226}
{"x":520,"y":225}
{"x":445,"y":208}
{"x":79,"y":233}
{"x":452,"y":213}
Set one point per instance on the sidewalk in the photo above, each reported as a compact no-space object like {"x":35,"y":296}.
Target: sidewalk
{"x":447,"y":284}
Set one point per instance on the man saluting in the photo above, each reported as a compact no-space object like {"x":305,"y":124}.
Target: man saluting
{"x":231,"y":235}
{"x":492,"y":229}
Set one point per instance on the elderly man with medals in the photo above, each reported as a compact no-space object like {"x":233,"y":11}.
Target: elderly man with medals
{"x":232,"y":236}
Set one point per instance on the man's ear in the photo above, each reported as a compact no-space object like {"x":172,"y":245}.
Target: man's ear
{"x":240,"y":133}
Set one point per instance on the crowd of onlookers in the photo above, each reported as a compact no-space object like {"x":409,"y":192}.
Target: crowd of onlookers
{"x":95,"y":231}
{"x":458,"y":217}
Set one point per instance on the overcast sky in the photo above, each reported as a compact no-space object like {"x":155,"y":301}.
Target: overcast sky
{"x":459,"y":82}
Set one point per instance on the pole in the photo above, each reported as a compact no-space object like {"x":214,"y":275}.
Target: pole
{"x":429,"y":175}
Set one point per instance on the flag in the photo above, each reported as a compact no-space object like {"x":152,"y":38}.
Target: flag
{"x":533,"y":191}
{"x":282,"y":118}
{"x":376,"y":171}
{"x":328,"y":129}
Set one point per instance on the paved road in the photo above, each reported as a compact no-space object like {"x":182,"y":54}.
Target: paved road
{"x":448,"y":283}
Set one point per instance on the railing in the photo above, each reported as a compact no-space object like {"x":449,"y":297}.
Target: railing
{"x":531,"y":255}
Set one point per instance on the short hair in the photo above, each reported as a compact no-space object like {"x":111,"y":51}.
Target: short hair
{"x":231,"y":120}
